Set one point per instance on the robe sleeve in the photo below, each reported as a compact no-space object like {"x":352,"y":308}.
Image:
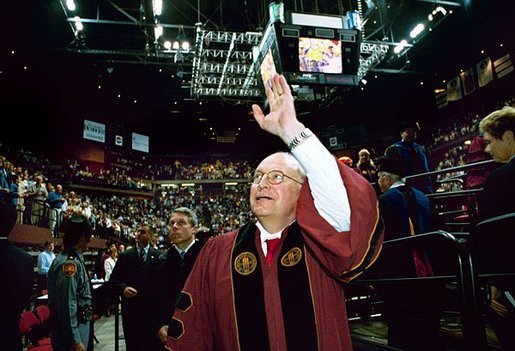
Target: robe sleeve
{"x":344,"y":254}
{"x":192,"y":325}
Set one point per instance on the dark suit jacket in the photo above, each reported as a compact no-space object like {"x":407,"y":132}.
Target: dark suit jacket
{"x":173,"y":273}
{"x":499,"y":191}
{"x":394,"y":211}
{"x":129,"y":272}
{"x":496,"y":199}
{"x":17,"y":277}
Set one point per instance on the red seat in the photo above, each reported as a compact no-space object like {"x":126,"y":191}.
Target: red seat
{"x":30,"y":319}
{"x":28,"y":324}
{"x":43,"y":312}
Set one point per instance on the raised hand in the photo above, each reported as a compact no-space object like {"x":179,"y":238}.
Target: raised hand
{"x":282,"y":119}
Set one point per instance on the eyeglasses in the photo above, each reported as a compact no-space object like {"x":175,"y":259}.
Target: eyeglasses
{"x":274,"y":177}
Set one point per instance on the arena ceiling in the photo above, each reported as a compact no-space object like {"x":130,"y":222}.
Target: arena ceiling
{"x":114,"y":73}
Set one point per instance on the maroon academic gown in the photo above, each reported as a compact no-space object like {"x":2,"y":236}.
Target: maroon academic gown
{"x":209,"y":322}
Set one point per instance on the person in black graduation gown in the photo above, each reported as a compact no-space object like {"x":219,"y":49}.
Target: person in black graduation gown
{"x":132,"y":279}
{"x":17,"y":277}
{"x":177,"y":263}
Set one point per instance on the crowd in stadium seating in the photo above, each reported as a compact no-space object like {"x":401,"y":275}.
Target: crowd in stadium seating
{"x":116,"y":216}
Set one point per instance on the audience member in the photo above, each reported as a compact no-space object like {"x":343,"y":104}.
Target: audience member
{"x":56,"y":200}
{"x":249,"y":291}
{"x":367,"y":169}
{"x":17,"y":277}
{"x":38,"y":194}
{"x":110,"y":262}
{"x":414,"y":155}
{"x":45,"y":260}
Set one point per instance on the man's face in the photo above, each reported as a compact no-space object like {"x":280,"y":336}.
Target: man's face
{"x":181,"y":229}
{"x":50,"y":247}
{"x":279,"y":200}
{"x":499,"y":148}
{"x":143,"y":236}
{"x":384,"y":181}
{"x":364,"y":157}
{"x":409,"y":135}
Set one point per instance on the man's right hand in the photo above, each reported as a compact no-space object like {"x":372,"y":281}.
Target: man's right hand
{"x":129,"y":292}
{"x":282,"y":119}
{"x":79,"y":347}
{"x":162,"y":334}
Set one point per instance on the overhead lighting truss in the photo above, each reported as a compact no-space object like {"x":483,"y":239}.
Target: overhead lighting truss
{"x":221,"y":61}
{"x":222,"y":65}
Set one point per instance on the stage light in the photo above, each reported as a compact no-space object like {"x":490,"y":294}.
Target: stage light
{"x":185,"y":45}
{"x":78,"y":24}
{"x":400,"y":46}
{"x":168,"y":45}
{"x":158,"y":31}
{"x":157,"y":6}
{"x":417,"y":30}
{"x":70,"y":5}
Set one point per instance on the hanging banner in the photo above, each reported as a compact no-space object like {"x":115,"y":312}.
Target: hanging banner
{"x":467,"y":80}
{"x":503,"y":66}
{"x":441,"y":99}
{"x":485,"y":72}
{"x":454,"y":89}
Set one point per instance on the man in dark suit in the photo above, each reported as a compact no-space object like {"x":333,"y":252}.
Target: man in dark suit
{"x":497,"y":198}
{"x":132,"y":279}
{"x":413,"y":309}
{"x":17,"y":277}
{"x":177,"y":263}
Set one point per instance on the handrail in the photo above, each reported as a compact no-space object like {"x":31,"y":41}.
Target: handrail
{"x":471,"y":312}
{"x":451,"y":169}
{"x":458,"y":193}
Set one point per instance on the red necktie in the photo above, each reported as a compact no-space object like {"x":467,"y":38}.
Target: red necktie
{"x":271,"y":244}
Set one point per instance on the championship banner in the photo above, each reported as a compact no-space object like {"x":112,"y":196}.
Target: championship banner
{"x":454,"y":89}
{"x":441,"y":99}
{"x":485,"y":72}
{"x":467,"y":79}
{"x":503,"y":66}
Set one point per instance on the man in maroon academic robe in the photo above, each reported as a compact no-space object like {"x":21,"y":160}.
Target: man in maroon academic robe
{"x":276,"y":284}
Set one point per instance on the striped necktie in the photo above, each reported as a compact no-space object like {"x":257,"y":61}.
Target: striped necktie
{"x":142,"y":257}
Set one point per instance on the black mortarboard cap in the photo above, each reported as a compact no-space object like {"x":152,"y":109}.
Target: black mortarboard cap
{"x":392,"y":165}
{"x":409,"y":124}
{"x":75,"y":227}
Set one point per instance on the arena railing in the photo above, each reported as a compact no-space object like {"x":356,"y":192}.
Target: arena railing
{"x":452,"y":262}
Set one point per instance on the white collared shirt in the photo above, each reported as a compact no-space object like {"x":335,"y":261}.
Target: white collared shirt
{"x":145,"y":249}
{"x":264,"y":235}
{"x":186,"y":249}
{"x":397,"y":184}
